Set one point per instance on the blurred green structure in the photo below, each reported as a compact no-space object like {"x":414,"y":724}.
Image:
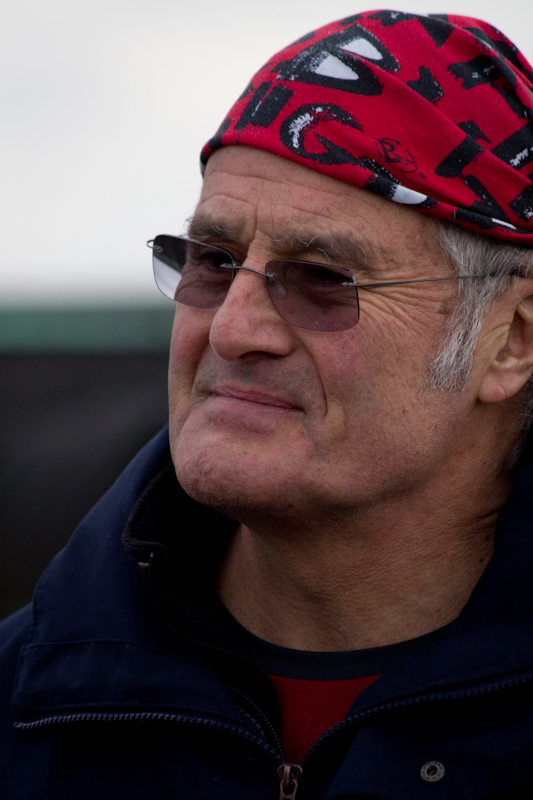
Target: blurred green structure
{"x":82,"y":389}
{"x":104,"y":329}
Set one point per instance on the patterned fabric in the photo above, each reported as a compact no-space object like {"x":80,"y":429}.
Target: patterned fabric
{"x":435,"y":112}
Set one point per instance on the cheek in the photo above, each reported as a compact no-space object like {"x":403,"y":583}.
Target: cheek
{"x":407,"y":324}
{"x":377,"y":371}
{"x":344,"y":367}
{"x":190,"y":338}
{"x":404,"y":337}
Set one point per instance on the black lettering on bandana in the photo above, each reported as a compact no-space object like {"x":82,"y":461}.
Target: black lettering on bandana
{"x":438,"y":27}
{"x":454,"y":164}
{"x":396,"y":155}
{"x":382,"y":183}
{"x":427,"y":86}
{"x":264,"y":105}
{"x":299,"y":130}
{"x":472,"y":129}
{"x":522,"y":205}
{"x":481,"y":69}
{"x":505,"y":48}
{"x":324,"y":69}
{"x":389,"y":18}
{"x":305,"y":38}
{"x":517,"y":149}
{"x":341,"y":62}
{"x":480,"y":221}
{"x":350,"y":20}
{"x":249,"y":89}
{"x":216,"y":141}
{"x":486,"y":204}
{"x":488,"y":70}
{"x":462,"y":155}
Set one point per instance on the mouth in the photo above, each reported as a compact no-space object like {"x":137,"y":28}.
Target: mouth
{"x":254,"y":397}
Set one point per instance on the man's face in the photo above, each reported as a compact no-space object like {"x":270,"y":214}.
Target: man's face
{"x":269,"y":418}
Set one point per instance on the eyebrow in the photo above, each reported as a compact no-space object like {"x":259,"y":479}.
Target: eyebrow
{"x":340,"y":248}
{"x":205,"y":230}
{"x":343,"y":249}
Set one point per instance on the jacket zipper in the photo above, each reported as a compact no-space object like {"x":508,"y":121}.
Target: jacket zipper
{"x":136,"y":716}
{"x":413,"y":701}
{"x":289,"y":774}
{"x":264,"y":719}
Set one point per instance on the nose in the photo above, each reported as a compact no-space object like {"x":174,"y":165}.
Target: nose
{"x":247,"y":325}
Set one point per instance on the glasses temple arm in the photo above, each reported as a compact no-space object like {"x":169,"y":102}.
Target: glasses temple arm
{"x":430,"y":280}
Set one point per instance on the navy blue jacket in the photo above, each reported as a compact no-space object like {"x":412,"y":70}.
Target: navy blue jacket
{"x":103,"y":698}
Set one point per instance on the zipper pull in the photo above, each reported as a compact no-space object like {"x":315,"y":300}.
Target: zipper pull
{"x":289,"y":775}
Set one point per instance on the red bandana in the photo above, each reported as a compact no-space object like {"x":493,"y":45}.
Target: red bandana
{"x":435,"y":112}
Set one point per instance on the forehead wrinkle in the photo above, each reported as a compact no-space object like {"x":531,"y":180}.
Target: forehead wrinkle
{"x":333,"y":247}
{"x":339,"y":248}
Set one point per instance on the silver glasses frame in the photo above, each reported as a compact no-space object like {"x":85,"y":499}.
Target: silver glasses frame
{"x":233,"y":265}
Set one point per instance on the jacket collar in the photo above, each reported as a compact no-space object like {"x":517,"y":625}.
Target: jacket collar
{"x":103,"y":645}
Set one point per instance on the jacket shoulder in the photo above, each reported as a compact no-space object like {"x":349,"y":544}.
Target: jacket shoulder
{"x":14,"y":632}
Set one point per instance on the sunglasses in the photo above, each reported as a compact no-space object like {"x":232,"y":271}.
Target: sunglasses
{"x":313,"y":296}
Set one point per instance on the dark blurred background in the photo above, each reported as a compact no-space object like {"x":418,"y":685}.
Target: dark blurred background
{"x":82,"y":390}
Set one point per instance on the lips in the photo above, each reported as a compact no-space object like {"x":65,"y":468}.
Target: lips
{"x":253,"y":396}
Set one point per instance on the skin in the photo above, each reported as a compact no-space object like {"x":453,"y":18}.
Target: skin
{"x":366,"y":500}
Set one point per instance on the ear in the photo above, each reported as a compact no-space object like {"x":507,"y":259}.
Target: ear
{"x":512,"y":365}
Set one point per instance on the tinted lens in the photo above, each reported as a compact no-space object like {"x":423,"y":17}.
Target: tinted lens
{"x":309,"y":295}
{"x":313,"y":296}
{"x":190,"y":272}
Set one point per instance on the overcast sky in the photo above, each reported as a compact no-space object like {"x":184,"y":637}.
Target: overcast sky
{"x":105,"y":107}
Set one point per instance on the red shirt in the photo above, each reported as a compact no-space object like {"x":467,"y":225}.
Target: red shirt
{"x":309,"y":708}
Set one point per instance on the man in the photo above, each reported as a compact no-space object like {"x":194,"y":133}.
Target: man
{"x":335,"y":600}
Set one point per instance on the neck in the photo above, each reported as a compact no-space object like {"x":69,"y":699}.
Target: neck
{"x":374,"y":577}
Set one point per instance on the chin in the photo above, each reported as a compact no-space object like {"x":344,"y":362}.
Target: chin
{"x":215,"y":481}
{"x":224,"y":493}
{"x":245,"y":491}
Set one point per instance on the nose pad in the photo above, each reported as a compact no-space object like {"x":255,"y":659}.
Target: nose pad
{"x":248,"y":282}
{"x":247,"y":321}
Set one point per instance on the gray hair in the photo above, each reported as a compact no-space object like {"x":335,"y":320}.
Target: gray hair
{"x":473,"y":254}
